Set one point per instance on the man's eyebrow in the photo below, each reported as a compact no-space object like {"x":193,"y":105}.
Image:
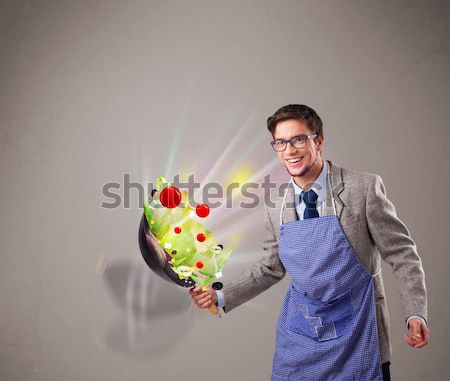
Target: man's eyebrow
{"x":294,"y":136}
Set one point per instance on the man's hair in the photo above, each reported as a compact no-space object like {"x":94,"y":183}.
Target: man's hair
{"x":302,"y":113}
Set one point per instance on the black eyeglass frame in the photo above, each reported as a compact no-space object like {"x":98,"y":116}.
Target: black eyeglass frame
{"x":300,"y":138}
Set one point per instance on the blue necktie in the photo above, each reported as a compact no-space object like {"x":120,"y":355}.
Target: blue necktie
{"x":310,"y":200}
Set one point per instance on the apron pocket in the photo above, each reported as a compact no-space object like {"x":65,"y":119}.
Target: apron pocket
{"x":321,"y":321}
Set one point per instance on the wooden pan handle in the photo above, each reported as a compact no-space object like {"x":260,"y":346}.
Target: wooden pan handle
{"x":213,"y":309}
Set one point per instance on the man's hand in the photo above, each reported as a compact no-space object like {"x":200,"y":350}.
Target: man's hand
{"x":203,"y":299}
{"x":418,"y":333}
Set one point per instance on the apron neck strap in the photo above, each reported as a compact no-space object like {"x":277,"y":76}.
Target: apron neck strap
{"x":284,"y":202}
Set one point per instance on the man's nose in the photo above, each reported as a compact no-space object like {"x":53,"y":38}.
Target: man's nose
{"x":290,"y":148}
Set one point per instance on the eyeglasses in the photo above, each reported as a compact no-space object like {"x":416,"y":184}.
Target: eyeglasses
{"x":298,"y":141}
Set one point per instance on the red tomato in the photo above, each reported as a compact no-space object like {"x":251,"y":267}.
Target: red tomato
{"x":202,"y":210}
{"x":170,"y":197}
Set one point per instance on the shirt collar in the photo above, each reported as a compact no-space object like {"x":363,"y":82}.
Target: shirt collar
{"x":319,"y":186}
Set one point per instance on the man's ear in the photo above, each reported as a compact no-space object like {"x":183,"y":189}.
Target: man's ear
{"x":319,"y":143}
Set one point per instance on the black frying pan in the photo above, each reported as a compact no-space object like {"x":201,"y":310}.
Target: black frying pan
{"x":158,"y":259}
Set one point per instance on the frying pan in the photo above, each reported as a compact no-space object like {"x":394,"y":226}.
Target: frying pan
{"x":158,"y":259}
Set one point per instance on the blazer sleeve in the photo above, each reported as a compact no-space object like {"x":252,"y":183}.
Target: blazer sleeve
{"x":397,"y":248}
{"x":267,"y":271}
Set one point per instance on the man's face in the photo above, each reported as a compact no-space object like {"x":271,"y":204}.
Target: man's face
{"x":310,"y":155}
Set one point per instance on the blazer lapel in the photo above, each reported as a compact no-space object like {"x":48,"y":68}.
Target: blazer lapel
{"x":289,"y":213}
{"x":337,"y":186}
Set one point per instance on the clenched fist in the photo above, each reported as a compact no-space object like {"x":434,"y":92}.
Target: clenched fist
{"x":418,"y":333}
{"x":203,"y":299}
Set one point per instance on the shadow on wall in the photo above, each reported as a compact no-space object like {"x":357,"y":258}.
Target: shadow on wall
{"x":155,"y":314}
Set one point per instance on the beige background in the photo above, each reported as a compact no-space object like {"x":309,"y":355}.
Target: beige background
{"x":91,"y":90}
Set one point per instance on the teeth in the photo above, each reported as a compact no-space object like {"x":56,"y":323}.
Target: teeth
{"x":294,"y":160}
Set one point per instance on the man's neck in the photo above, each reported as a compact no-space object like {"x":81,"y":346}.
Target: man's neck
{"x":309,"y":178}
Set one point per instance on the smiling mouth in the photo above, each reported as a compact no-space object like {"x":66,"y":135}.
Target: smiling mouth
{"x":295,"y":160}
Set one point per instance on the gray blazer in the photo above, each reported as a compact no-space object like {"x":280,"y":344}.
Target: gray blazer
{"x":373,"y":229}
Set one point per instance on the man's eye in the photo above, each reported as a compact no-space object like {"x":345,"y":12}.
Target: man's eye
{"x":299,"y":139}
{"x":279,"y":142}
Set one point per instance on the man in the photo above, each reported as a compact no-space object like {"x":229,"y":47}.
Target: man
{"x":329,"y":230}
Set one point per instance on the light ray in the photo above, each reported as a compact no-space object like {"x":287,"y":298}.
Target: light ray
{"x":226,"y":152}
{"x":180,"y":125}
{"x":241,"y":226}
{"x":255,"y":178}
